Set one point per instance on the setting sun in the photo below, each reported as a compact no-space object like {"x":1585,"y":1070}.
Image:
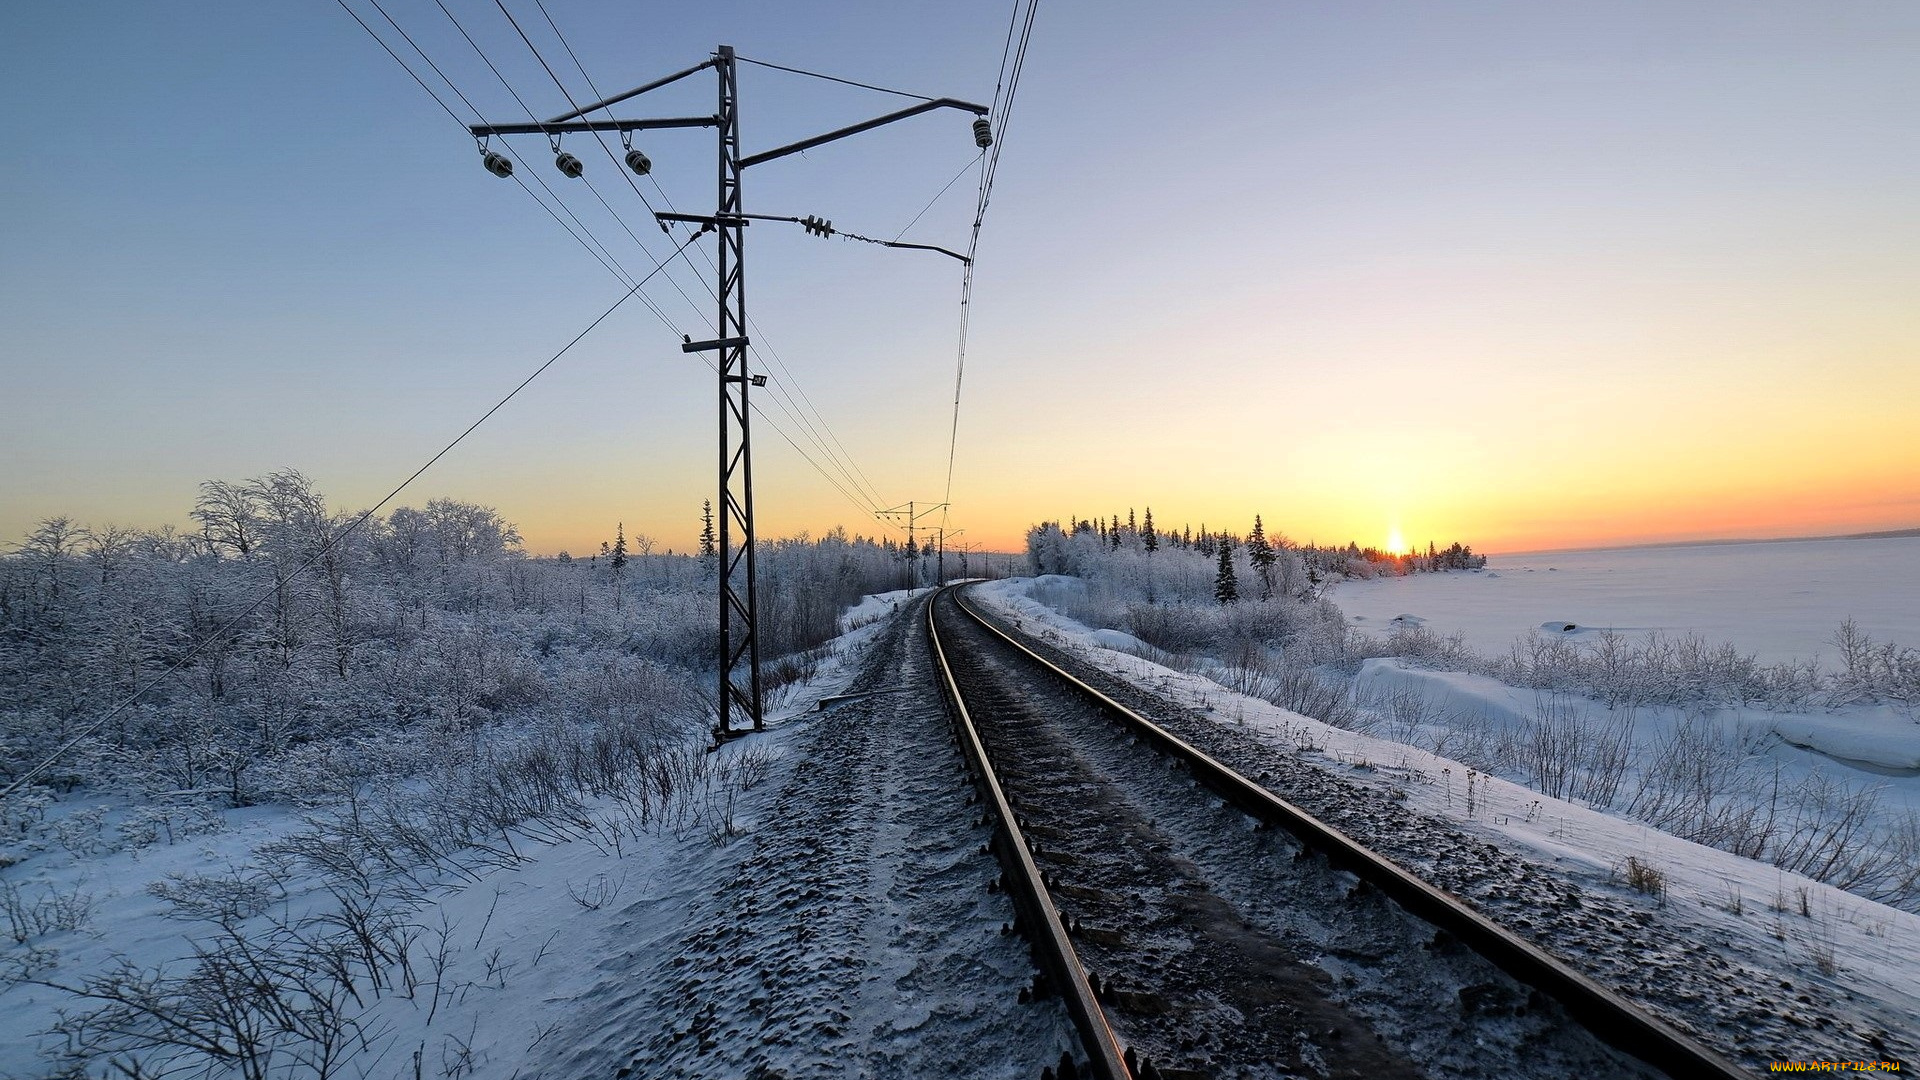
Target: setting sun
{"x":1396,"y":542}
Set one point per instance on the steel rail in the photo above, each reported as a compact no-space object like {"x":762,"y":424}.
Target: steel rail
{"x":1611,"y":1017}
{"x":1039,"y":917}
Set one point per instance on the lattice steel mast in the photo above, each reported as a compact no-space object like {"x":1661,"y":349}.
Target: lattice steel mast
{"x":739,"y":642}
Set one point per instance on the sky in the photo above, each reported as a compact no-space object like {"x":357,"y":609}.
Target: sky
{"x":1521,"y":275}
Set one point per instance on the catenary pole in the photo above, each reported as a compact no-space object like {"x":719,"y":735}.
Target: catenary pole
{"x":740,"y":704}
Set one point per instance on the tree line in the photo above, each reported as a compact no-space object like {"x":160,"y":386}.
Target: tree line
{"x":1268,"y":558}
{"x":281,"y":626}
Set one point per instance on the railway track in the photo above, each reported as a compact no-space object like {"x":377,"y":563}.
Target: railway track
{"x":1194,"y":924}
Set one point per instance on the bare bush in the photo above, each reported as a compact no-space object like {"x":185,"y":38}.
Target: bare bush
{"x":219,"y":898}
{"x":596,"y":892}
{"x":259,"y":1005}
{"x":83,"y":832}
{"x":1827,"y":833}
{"x":1700,"y":781}
{"x":52,"y":911}
{"x":1875,"y":669}
{"x":168,"y":822}
{"x":1399,"y":713}
{"x":1570,"y":755}
{"x":1290,"y":686}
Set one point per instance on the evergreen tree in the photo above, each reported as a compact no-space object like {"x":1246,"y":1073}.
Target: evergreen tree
{"x":618,"y":558}
{"x":708,"y":552}
{"x":1226,"y":587}
{"x":1261,"y":554}
{"x":1147,"y":539}
{"x":1130,"y":525}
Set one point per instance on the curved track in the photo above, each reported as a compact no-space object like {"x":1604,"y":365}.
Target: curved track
{"x":1185,"y":942}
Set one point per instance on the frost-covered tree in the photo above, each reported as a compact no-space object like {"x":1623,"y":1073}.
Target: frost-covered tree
{"x":617,"y":563}
{"x":51,"y":552}
{"x":228,"y":516}
{"x":1262,"y":556}
{"x":709,"y":553}
{"x":319,"y":643}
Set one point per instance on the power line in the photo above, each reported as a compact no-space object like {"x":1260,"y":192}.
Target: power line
{"x":403,"y":64}
{"x":756,"y":349}
{"x":608,"y":262}
{"x":842,"y":460}
{"x":832,"y":78}
{"x":602,"y":255}
{"x":482,"y":53}
{"x":621,"y":272}
{"x":1009,"y":77}
{"x":326,"y":549}
{"x":598,"y":96}
{"x":597,"y":136}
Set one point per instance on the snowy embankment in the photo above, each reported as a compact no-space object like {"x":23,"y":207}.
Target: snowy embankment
{"x":1779,"y":604}
{"x":285,"y":935}
{"x":1811,"y":935}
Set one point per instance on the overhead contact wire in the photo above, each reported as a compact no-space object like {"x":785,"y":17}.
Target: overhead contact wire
{"x":585,"y":236}
{"x":793,"y":409}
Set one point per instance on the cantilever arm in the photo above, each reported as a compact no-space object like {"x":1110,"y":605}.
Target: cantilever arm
{"x":808,"y":144}
{"x":633,"y":93}
{"x":920,"y":247}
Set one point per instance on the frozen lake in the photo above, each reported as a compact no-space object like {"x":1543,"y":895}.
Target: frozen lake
{"x":1778,"y":600}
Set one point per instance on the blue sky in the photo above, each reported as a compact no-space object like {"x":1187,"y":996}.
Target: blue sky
{"x":1516,"y":272}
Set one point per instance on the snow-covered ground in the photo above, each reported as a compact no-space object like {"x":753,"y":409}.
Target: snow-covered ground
{"x":835,"y":883}
{"x":1779,"y":601}
{"x":1853,"y":953}
{"x":528,"y":951}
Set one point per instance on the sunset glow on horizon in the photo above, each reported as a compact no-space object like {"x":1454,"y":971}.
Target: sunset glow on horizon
{"x":1503,"y":274}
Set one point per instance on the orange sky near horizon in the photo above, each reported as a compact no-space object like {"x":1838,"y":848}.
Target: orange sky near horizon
{"x":1491,"y":521}
{"x":1520,"y":275}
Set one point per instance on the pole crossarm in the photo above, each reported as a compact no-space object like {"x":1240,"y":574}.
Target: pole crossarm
{"x":868,"y":125}
{"x":559,"y":128}
{"x":716,"y":343}
{"x":708,"y":220}
{"x":906,"y":509}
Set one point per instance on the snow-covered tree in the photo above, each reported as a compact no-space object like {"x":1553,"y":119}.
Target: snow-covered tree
{"x":1262,"y":556}
{"x":709,"y":552}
